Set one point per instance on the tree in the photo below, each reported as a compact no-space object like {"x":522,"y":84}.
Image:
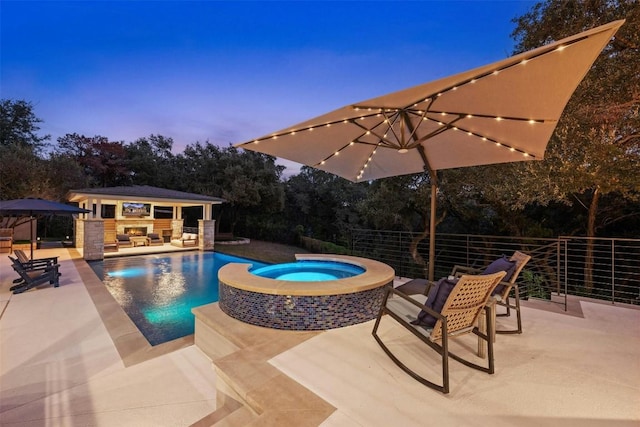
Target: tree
{"x":20,"y":150}
{"x":20,"y":172}
{"x":248,"y":181}
{"x":19,"y":126}
{"x":103,"y":161}
{"x":323,"y":205}
{"x":151,"y":161}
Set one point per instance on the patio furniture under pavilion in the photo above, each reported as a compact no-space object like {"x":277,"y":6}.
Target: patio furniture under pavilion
{"x":137,"y":211}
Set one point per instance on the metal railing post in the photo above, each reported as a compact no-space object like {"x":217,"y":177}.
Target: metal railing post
{"x":613,"y":271}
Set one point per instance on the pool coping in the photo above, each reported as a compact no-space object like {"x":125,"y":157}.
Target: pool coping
{"x":376,"y":274}
{"x":130,"y":343}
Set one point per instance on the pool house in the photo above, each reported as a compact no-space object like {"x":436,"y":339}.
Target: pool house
{"x":136,"y":213}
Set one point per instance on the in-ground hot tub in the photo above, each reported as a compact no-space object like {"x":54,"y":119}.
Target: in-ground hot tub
{"x":289,"y":300}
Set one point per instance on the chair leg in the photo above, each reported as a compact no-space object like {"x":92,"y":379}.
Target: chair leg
{"x":515,"y":308}
{"x":486,"y":318}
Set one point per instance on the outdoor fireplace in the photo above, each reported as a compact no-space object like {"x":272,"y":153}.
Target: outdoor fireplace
{"x":135,"y":231}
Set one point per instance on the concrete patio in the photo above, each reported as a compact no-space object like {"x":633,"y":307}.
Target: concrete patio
{"x":68,"y":357}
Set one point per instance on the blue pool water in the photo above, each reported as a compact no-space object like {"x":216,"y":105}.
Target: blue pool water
{"x":158,"y":291}
{"x":308,"y":271}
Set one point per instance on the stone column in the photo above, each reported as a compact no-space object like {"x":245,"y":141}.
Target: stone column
{"x":79,"y":232}
{"x":176,"y":228}
{"x":206,"y":234}
{"x":93,"y":239}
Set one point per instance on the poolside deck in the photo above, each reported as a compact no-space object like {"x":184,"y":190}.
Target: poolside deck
{"x":67,"y":357}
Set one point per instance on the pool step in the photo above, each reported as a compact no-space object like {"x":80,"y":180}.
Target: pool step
{"x":240,"y":353}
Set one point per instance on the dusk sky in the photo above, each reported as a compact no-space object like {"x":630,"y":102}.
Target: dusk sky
{"x":226,"y":72}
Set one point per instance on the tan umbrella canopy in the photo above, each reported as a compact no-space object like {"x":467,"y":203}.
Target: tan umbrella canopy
{"x":498,"y":113}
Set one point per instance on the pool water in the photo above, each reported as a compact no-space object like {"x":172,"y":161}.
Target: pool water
{"x":308,"y":271}
{"x":158,"y":291}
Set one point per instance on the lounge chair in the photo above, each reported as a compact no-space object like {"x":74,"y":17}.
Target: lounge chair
{"x":459,"y":315}
{"x":124,"y":241}
{"x":34,"y":277}
{"x":154,"y":239}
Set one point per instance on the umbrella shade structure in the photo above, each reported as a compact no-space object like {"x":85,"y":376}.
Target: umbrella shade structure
{"x":33,"y":207}
{"x":498,"y":113}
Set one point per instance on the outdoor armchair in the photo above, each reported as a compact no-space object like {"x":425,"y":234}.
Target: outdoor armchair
{"x":154,"y":239}
{"x":459,"y":315}
{"x":124,"y":241}
{"x":34,"y":277}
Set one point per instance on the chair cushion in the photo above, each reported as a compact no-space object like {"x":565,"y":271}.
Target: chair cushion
{"x":501,"y":264}
{"x":435,"y":301}
{"x":123,"y":237}
{"x":153,"y":236}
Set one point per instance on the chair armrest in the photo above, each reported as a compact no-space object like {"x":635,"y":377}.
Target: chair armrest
{"x":459,"y":270}
{"x":417,"y":304}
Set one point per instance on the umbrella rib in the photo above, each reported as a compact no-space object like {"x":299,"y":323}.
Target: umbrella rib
{"x":488,"y":116}
{"x":382,"y":139}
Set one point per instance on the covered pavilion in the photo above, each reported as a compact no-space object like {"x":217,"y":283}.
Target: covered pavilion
{"x":137,"y":211}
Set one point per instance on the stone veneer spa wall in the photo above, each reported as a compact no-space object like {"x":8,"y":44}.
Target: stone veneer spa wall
{"x":300,"y":305}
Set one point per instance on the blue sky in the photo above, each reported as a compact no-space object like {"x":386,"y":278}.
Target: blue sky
{"x":226,"y":72}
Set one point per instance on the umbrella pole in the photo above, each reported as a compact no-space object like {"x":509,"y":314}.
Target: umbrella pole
{"x":31,"y":231}
{"x":433,"y":177}
{"x":432,"y":230}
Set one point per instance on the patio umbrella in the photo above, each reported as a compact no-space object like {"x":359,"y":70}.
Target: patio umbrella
{"x":31,"y":207}
{"x":502,"y":112}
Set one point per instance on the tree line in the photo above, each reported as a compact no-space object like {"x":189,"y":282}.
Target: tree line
{"x":588,"y":184}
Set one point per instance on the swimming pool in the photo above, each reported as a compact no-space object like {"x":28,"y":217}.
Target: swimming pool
{"x":158,"y":291}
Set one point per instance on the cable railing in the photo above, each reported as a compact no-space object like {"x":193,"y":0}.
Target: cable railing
{"x":605,"y":269}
